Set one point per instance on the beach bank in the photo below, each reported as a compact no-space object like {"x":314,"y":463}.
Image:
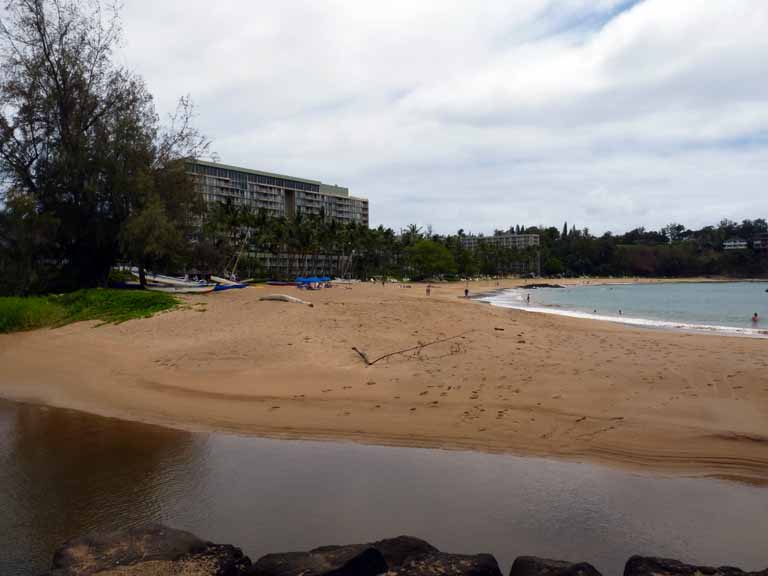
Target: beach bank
{"x":474,"y":377}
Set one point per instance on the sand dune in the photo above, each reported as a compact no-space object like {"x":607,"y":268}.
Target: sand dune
{"x":503,"y":380}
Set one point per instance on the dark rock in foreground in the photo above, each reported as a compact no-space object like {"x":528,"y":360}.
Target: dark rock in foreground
{"x":442,"y":564}
{"x":643,"y":566}
{"x":156,"y":550}
{"x":532,"y":566}
{"x":332,"y":560}
{"x":396,"y":556}
{"x":147,"y":550}
{"x":358,"y":559}
{"x":397,"y":550}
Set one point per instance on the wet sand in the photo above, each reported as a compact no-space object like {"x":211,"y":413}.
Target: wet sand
{"x":503,"y":380}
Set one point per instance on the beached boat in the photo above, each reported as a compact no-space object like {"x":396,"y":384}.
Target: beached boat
{"x":224,"y":284}
{"x":173,"y":281}
{"x":198,"y":289}
{"x":168,"y":280}
{"x":222,"y":287}
{"x":280,"y":283}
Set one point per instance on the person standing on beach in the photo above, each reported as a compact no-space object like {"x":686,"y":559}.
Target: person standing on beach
{"x":429,"y":289}
{"x":466,"y":292}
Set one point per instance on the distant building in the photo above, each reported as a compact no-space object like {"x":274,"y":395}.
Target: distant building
{"x":735,"y":244}
{"x":516,"y":241}
{"x":760,"y":241}
{"x":276,"y":194}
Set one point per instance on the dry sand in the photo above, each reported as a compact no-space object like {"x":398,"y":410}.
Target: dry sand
{"x":509,"y":381}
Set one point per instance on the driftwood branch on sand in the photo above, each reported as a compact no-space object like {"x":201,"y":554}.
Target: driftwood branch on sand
{"x":286,"y":298}
{"x":369,"y":362}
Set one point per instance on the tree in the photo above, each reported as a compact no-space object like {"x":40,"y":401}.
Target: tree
{"x":150,"y":238}
{"x":79,"y":136}
{"x":429,"y":258}
{"x":675,"y":232}
{"x":26,"y":246}
{"x":411,"y":234}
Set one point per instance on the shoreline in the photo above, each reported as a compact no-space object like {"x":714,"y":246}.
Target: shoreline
{"x":626,"y":320}
{"x":645,"y":466}
{"x":655,"y":401}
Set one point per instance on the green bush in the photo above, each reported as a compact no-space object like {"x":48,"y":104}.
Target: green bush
{"x":18,"y":313}
{"x":111,"y":306}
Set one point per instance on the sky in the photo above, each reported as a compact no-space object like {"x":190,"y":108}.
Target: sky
{"x":481,"y":115}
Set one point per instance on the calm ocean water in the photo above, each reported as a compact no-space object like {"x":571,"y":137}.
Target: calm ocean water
{"x":711,"y":307}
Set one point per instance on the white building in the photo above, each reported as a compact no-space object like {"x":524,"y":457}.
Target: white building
{"x":515,"y":241}
{"x":735,"y":244}
{"x":276,"y":194}
{"x":760,"y":242}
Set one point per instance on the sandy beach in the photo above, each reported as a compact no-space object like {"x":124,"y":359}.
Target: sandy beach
{"x":501,"y":380}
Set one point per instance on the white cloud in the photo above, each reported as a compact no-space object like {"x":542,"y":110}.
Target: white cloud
{"x":480,"y":115}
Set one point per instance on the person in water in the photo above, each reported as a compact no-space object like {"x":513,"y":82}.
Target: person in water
{"x":755,"y":318}
{"x":528,"y":299}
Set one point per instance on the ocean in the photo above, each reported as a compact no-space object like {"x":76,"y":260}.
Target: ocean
{"x":715,"y":307}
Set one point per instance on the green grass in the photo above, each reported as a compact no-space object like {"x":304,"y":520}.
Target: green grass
{"x":109,"y":306}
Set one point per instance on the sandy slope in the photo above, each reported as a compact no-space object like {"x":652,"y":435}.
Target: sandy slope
{"x":512,"y":381}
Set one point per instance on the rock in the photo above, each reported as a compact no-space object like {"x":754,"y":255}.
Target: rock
{"x":401,"y":555}
{"x":354,"y":560}
{"x":645,"y":566}
{"x":540,"y":285}
{"x":397,"y":550}
{"x":147,"y":550}
{"x":442,"y":564}
{"x":532,"y":566}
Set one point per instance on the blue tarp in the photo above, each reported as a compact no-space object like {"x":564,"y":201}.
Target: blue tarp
{"x":312,"y":280}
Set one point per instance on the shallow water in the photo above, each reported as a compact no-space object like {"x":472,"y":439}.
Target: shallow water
{"x":720,"y":307}
{"x":64,"y":473}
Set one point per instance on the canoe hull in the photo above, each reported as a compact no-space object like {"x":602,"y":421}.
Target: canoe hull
{"x":183,"y":289}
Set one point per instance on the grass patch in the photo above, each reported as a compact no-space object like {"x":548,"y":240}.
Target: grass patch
{"x":109,"y":306}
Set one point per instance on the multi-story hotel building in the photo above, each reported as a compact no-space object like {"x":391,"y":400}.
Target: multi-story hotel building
{"x":516,"y":241}
{"x":276,"y":194}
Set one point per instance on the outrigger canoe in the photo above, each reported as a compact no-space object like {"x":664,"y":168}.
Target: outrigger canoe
{"x":199,"y":289}
{"x":224,"y":284}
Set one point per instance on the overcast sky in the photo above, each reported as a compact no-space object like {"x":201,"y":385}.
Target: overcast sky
{"x":480,"y":114}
